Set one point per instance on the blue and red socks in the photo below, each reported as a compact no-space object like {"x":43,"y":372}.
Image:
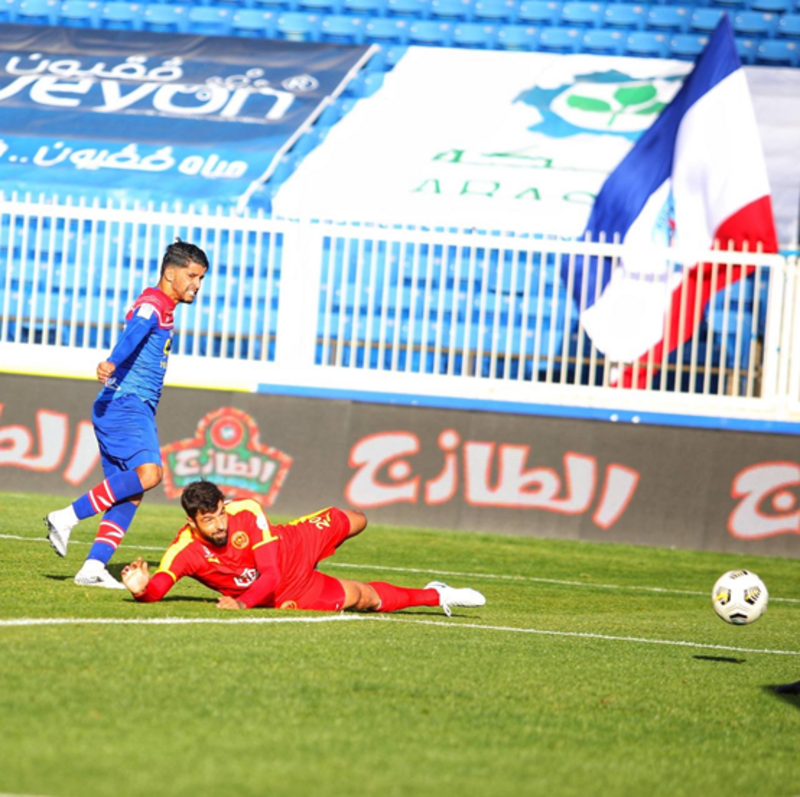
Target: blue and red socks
{"x":113,"y":490}
{"x":113,"y":526}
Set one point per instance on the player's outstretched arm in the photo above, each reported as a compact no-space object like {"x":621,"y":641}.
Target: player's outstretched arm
{"x":136,"y":577}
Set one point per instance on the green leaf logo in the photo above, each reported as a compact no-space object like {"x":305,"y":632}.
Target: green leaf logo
{"x":628,"y":99}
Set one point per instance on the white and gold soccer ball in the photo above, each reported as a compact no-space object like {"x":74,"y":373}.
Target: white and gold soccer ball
{"x":739,"y":597}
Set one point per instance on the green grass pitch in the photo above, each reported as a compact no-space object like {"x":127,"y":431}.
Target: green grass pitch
{"x":594,"y":669}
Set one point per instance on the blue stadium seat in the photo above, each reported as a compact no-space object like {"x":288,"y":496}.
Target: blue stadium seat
{"x":36,"y":12}
{"x":77,"y":14}
{"x":364,"y":8}
{"x":582,"y":14}
{"x":747,"y":49}
{"x":411,"y":9}
{"x":517,"y":37}
{"x":687,"y":46}
{"x":668,"y":18}
{"x":500,"y":11}
{"x":277,"y":6}
{"x":646,"y":43}
{"x":453,"y":10}
{"x":429,"y":33}
{"x":7,"y":10}
{"x":731,"y":5}
{"x":209,"y":20}
{"x":560,"y":40}
{"x":164,"y":18}
{"x":539,"y":12}
{"x":622,"y":15}
{"x":386,"y":31}
{"x":771,"y":6}
{"x":474,"y":35}
{"x":754,"y":23}
{"x":789,"y":25}
{"x":253,"y":23}
{"x":341,"y":29}
{"x":603,"y":42}
{"x":704,"y":20}
{"x":778,"y":52}
{"x":320,"y":6}
{"x":298,"y":27}
{"x":121,"y":16}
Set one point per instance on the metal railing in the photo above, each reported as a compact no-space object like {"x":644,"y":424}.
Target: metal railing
{"x":455,"y":313}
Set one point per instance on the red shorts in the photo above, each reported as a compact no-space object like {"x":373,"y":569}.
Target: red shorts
{"x":304,"y":543}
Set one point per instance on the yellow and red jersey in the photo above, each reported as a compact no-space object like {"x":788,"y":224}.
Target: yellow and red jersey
{"x":252,"y":551}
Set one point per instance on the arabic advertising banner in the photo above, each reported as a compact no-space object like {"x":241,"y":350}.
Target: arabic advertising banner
{"x":155,"y":116}
{"x":558,"y":478}
{"x":513,"y":141}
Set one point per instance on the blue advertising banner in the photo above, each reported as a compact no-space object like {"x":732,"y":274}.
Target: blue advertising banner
{"x":103,"y":112}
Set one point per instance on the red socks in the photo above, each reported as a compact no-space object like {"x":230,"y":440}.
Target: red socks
{"x":394,"y":598}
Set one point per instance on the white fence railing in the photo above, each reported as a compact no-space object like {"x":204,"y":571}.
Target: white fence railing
{"x":359,"y":307}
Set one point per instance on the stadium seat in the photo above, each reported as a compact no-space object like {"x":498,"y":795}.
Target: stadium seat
{"x":754,"y":23}
{"x":412,"y":9}
{"x":539,"y":12}
{"x":789,"y":25}
{"x":386,"y":31}
{"x":209,"y":20}
{"x":453,"y":10}
{"x":668,"y":18}
{"x":253,"y":23}
{"x":77,"y":14}
{"x":622,"y":15}
{"x":121,"y":16}
{"x":164,"y":18}
{"x":778,"y":52}
{"x":473,"y":35}
{"x":704,"y":20}
{"x":731,"y":5}
{"x":560,"y":40}
{"x":771,"y":6}
{"x":36,"y":12}
{"x":340,"y":29}
{"x":320,"y":6}
{"x":581,"y":14}
{"x":603,"y":42}
{"x":429,"y":33}
{"x":7,"y":10}
{"x":517,"y":37}
{"x":277,"y":6}
{"x":646,"y":43}
{"x":298,"y":27}
{"x":687,"y":46}
{"x":747,"y":49}
{"x":364,"y":8}
{"x":499,"y":11}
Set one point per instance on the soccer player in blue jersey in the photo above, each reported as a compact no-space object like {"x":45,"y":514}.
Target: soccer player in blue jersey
{"x":124,"y":415}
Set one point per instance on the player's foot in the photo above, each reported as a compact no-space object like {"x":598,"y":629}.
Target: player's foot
{"x":94,"y":574}
{"x":450,"y":596}
{"x":59,"y":526}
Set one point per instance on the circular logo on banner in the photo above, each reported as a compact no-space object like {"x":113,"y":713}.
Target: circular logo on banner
{"x":227,"y":432}
{"x":240,"y":540}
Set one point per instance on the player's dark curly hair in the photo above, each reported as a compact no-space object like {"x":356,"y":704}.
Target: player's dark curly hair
{"x":201,"y":497}
{"x":181,"y":254}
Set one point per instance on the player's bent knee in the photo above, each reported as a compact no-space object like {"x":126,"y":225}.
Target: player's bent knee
{"x":150,"y":475}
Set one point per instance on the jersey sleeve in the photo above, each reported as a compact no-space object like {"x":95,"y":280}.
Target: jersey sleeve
{"x":138,"y":327}
{"x":160,"y":584}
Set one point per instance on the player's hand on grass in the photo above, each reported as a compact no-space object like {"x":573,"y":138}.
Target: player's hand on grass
{"x":104,"y":371}
{"x":136,"y":576}
{"x":227,"y":602}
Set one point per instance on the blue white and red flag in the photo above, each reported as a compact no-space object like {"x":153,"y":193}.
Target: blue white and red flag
{"x":695,"y":179}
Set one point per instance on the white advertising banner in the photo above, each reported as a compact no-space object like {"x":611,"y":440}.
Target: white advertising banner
{"x":510,"y":141}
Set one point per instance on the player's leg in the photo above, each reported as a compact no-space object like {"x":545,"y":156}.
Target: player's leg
{"x":131,"y":457}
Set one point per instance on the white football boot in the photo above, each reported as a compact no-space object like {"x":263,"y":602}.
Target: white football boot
{"x":59,"y":526}
{"x":94,"y":574}
{"x":450,"y":596}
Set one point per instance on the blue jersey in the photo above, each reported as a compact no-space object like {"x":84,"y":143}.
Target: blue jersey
{"x":142,"y":351}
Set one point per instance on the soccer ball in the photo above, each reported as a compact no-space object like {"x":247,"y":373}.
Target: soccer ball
{"x":739,"y":597}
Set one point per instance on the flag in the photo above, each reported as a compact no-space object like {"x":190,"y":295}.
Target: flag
{"x":696,"y":177}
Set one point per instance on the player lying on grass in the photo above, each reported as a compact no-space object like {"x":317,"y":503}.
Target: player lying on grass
{"x":233,"y":549}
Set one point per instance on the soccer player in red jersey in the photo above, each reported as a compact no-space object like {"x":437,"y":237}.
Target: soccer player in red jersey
{"x":233,"y":549}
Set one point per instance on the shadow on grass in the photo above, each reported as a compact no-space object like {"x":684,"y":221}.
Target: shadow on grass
{"x":723,"y":659}
{"x":788,"y":693}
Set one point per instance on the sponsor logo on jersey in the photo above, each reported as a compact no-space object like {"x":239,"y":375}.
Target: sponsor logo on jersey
{"x":240,"y":540}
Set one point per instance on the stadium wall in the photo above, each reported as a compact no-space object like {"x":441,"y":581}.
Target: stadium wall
{"x":437,"y":468}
